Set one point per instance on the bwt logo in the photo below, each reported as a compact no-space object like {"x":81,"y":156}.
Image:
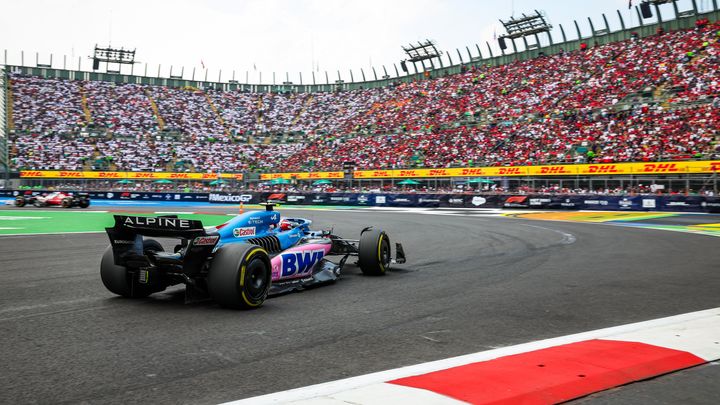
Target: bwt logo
{"x":554,"y":170}
{"x":297,"y":263}
{"x":509,"y":170}
{"x":70,"y":174}
{"x":602,"y":169}
{"x":660,"y":167}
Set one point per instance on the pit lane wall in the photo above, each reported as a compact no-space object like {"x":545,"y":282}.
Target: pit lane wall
{"x":676,"y":203}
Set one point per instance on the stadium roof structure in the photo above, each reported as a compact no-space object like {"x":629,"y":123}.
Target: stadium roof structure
{"x":422,"y":51}
{"x":526,"y":25}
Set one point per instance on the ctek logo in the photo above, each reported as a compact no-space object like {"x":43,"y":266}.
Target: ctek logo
{"x":71,"y":174}
{"x":602,"y":169}
{"x":554,"y":170}
{"x":244,"y":231}
{"x":299,"y":263}
{"x":509,"y":170}
{"x":660,"y":167}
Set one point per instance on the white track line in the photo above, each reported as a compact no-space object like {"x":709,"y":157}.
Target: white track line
{"x":703,"y":342}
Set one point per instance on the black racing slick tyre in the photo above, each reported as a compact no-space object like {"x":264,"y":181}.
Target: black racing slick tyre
{"x":20,"y":202}
{"x":118,"y":280}
{"x":66,"y":202}
{"x":240,"y":276}
{"x":84,"y":203}
{"x":374,"y":252}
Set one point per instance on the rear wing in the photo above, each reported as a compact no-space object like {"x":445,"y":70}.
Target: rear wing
{"x":163,"y":226}
{"x":127,"y":242}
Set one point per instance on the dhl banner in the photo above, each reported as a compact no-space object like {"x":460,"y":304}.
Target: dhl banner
{"x":691,"y":167}
{"x":303,"y":175}
{"x":65,"y":174}
{"x":550,"y":170}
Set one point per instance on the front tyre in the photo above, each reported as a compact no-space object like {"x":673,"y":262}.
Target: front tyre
{"x":374,"y":252}
{"x":240,"y":276}
{"x":118,"y":280}
{"x":20,"y":202}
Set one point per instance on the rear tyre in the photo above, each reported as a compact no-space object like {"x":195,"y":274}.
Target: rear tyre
{"x":84,"y":203}
{"x":374,"y":252}
{"x":66,"y":202}
{"x":20,"y":202}
{"x":118,"y":280}
{"x":240,"y":276}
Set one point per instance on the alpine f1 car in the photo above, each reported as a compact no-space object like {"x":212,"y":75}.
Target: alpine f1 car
{"x":238,"y":263}
{"x":56,"y":199}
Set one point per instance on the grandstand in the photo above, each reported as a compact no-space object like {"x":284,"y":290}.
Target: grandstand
{"x":641,"y":94}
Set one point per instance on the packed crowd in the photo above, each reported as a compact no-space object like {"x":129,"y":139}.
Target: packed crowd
{"x":575,"y":106}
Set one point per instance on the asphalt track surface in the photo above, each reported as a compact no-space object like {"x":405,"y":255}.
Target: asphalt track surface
{"x":472,"y":283}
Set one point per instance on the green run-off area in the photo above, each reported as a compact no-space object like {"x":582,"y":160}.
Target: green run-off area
{"x":24,"y":222}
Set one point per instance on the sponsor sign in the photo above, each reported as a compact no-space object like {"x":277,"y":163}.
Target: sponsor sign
{"x":537,"y":202}
{"x":66,"y":174}
{"x":299,"y":263}
{"x":302,"y":175}
{"x":276,"y":197}
{"x":516,"y":201}
{"x":244,"y":231}
{"x":157,"y":222}
{"x":230,"y":198}
{"x":595,"y":169}
{"x":205,"y":240}
{"x":478,"y":201}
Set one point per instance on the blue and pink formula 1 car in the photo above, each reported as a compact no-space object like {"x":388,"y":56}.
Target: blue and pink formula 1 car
{"x":239,"y":263}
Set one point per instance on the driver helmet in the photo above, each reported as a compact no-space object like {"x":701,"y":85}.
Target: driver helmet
{"x":287,"y":224}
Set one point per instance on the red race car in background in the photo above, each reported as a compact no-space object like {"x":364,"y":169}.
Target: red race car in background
{"x":56,"y":199}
